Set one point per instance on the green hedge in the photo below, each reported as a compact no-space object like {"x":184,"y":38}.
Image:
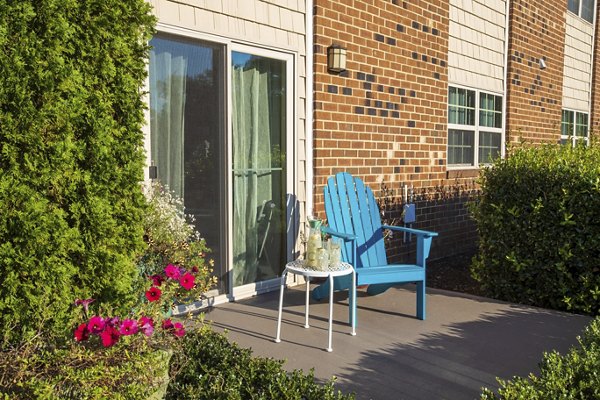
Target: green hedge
{"x":538,"y":219}
{"x":71,"y":157}
{"x":575,"y":375}
{"x":210,"y":367}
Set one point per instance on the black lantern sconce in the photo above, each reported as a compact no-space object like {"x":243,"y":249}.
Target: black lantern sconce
{"x":336,"y":59}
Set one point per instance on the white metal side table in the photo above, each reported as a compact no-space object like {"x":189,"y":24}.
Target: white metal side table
{"x":299,"y":268}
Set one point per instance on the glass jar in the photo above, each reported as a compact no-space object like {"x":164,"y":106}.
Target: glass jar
{"x":314,"y":242}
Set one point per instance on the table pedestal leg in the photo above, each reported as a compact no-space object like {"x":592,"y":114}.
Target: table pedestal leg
{"x":353,"y":304}
{"x":330,"y":311}
{"x":307,"y":302}
{"x":283,"y":276}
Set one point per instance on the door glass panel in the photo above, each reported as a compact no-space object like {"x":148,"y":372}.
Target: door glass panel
{"x":187,"y":132}
{"x":259,"y":175}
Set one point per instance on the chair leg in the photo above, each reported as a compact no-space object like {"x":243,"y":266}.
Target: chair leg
{"x":421,"y":300}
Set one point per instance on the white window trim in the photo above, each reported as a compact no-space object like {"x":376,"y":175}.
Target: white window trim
{"x":573,"y":137}
{"x":476,"y":129}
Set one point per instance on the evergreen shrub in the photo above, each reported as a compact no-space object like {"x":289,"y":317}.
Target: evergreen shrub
{"x":208,"y":366}
{"x":538,"y":219}
{"x":575,"y":375}
{"x":71,"y":157}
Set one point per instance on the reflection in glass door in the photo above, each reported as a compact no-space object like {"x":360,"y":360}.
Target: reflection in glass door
{"x":259,"y":167}
{"x":187,"y":114}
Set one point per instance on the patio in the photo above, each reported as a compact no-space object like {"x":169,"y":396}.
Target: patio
{"x":463,"y":345}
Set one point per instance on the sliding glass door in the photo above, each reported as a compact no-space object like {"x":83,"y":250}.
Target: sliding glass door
{"x":221,"y":133}
{"x":259,"y":98}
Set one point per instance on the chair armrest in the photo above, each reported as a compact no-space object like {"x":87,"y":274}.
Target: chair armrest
{"x":417,"y":232}
{"x":345,"y":236}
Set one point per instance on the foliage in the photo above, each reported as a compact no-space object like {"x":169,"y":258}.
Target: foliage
{"x":71,"y":157}
{"x":210,"y":367}
{"x":75,"y":372}
{"x":575,"y":375}
{"x":171,"y":238}
{"x":537,"y":219}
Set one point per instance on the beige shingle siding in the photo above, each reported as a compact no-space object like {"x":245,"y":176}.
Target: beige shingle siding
{"x":577,"y":78}
{"x":476,"y":44}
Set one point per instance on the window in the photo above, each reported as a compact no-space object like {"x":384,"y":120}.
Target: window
{"x":582,"y":8}
{"x":574,"y":127}
{"x":474,"y":127}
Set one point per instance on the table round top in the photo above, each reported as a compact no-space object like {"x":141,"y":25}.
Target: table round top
{"x":299,"y":267}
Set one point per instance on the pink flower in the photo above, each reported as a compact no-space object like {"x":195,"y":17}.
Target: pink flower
{"x":179,"y":329}
{"x":157,"y":280}
{"x":172,"y":271}
{"x":114,"y":321}
{"x":167,"y":324}
{"x":153,"y":294}
{"x":110,"y":336}
{"x":82,"y":333}
{"x":187,"y":281}
{"x":146,"y":325}
{"x":128,"y":327}
{"x":85,"y":303}
{"x":96,"y":325}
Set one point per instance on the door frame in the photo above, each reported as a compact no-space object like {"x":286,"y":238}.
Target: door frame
{"x":250,"y":289}
{"x":293,"y":224}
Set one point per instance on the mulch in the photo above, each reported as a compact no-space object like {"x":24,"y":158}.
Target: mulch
{"x":453,"y":273}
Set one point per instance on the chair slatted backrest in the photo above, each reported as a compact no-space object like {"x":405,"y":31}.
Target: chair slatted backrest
{"x":351,"y":208}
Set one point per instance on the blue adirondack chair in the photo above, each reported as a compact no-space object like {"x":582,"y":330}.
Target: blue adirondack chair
{"x":353,"y":215}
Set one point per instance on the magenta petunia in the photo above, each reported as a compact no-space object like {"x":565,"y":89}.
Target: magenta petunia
{"x":128,"y":327}
{"x":153,"y":294}
{"x":187,"y":281}
{"x":167,"y":324}
{"x":157,"y":280}
{"x":110,"y":336}
{"x":114,"y":322}
{"x":179,"y":330}
{"x":146,"y":325}
{"x":85,"y":303}
{"x":96,"y":325}
{"x":82,"y":333}
{"x":172,"y":271}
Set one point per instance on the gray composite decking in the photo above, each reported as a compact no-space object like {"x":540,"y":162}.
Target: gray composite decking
{"x":463,"y":345}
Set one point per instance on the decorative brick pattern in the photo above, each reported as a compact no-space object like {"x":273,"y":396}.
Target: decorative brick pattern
{"x":537,"y":30}
{"x":393,"y":126}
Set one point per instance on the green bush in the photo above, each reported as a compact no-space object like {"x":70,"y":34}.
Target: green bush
{"x":538,"y":221}
{"x":575,"y":375}
{"x":71,"y":157}
{"x":210,"y":367}
{"x":78,"y":373}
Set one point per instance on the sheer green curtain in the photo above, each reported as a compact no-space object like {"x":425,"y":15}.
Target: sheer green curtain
{"x":257,"y":128}
{"x":167,"y":116}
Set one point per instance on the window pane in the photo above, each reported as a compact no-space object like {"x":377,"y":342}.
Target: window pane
{"x":581,"y":125}
{"x":490,"y":113}
{"x":587,"y":10}
{"x":489,"y":146}
{"x":566,"y":128}
{"x":573,"y":6}
{"x":460,"y":147}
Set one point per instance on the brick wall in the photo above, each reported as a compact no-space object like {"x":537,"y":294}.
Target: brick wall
{"x":385,"y":118}
{"x":595,"y":106}
{"x":537,"y":30}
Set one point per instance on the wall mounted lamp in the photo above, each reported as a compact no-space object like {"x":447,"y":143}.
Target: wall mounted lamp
{"x":542,"y":63}
{"x":336,"y":59}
